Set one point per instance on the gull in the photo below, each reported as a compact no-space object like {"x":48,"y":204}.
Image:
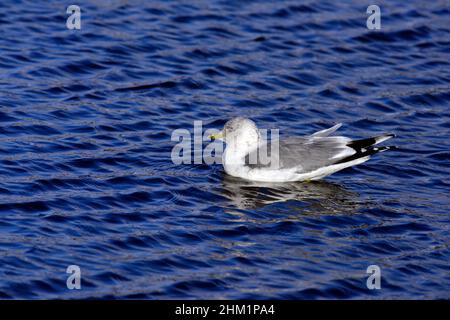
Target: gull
{"x":249,"y":155}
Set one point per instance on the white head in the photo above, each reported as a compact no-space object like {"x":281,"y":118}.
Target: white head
{"x":239,"y":133}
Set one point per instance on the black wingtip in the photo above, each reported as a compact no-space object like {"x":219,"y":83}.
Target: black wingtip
{"x":359,"y":145}
{"x":366,"y":152}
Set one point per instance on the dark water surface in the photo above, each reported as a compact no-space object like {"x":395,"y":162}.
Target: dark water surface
{"x":86,"y":178}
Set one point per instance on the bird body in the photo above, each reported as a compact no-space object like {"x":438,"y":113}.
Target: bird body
{"x":247,"y":155}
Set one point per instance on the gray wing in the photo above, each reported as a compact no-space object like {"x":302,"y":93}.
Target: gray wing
{"x":304,"y":153}
{"x":327,"y":132}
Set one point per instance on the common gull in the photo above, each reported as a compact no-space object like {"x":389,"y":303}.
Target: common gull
{"x":249,"y":155}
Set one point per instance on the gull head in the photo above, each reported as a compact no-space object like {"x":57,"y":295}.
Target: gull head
{"x":239,"y":132}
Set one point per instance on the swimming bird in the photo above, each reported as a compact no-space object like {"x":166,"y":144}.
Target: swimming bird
{"x":249,"y":155}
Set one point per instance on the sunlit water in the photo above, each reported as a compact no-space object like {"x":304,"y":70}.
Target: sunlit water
{"x":86,"y":178}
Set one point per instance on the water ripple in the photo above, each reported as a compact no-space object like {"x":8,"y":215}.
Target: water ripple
{"x":86,"y":118}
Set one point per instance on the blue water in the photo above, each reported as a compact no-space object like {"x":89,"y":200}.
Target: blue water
{"x":86,"y":178}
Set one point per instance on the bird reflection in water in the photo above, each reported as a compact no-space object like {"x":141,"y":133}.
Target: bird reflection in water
{"x":315,"y":198}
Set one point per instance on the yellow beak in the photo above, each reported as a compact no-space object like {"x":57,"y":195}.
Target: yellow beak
{"x":217,"y":136}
